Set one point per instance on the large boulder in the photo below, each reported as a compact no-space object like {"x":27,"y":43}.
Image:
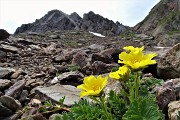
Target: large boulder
{"x":169,"y":65}
{"x":4,"y":34}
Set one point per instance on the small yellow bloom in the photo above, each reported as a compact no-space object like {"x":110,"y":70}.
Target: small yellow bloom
{"x":120,"y":74}
{"x":92,"y":85}
{"x":135,"y":58}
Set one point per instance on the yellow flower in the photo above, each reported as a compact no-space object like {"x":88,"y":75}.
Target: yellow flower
{"x":92,"y":85}
{"x":120,"y":74}
{"x":135,"y":58}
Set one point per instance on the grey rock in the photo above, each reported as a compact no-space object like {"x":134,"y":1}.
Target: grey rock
{"x":99,"y":67}
{"x":6,"y":72}
{"x":8,"y":48}
{"x":169,"y":65}
{"x":3,"y":34}
{"x":173,"y":109}
{"x":112,"y":52}
{"x":24,"y":41}
{"x":176,"y":86}
{"x":61,"y":68}
{"x":23,"y":97}
{"x":56,"y":92}
{"x":112,"y":84}
{"x":4,"y":111}
{"x":100,"y":57}
{"x":16,"y":89}
{"x":69,"y":78}
{"x":164,"y":95}
{"x":79,"y":59}
{"x":35,"y":47}
{"x":66,"y":55}
{"x":54,"y":36}
{"x":60,"y":59}
{"x":96,"y":48}
{"x":3,"y":54}
{"x":107,"y":56}
{"x":16,"y":74}
{"x":4,"y":84}
{"x":10,"y":103}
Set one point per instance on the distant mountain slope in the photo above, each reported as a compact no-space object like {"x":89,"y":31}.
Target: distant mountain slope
{"x":57,"y":20}
{"x":163,"y":22}
{"x":163,"y":17}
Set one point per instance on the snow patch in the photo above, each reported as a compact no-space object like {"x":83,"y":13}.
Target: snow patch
{"x":96,"y":34}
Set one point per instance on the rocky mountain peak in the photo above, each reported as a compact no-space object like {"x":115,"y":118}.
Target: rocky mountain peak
{"x":58,"y":20}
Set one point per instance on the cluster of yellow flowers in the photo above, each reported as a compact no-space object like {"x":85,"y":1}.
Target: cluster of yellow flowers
{"x":134,"y":59}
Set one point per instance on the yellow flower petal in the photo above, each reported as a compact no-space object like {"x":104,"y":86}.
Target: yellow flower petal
{"x":120,"y":74}
{"x":136,"y":59}
{"x":92,"y":85}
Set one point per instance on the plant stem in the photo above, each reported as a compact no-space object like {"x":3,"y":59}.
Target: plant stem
{"x":104,"y":107}
{"x":137,"y":85}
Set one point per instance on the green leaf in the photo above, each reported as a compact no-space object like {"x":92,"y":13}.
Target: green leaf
{"x":83,"y":110}
{"x":117,"y":105}
{"x":143,"y":109}
{"x":61,"y":101}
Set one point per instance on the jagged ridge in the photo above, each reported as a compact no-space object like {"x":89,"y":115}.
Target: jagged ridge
{"x":58,"y":20}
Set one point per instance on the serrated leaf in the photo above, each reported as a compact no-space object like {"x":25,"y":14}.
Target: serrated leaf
{"x":143,"y":109}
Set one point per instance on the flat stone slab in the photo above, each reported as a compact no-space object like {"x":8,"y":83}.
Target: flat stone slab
{"x":56,"y":92}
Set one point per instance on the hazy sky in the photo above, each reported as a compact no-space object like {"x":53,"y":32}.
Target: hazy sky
{"x":13,"y":13}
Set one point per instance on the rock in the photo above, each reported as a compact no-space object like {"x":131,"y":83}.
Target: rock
{"x":176,"y":86}
{"x":15,"y":90}
{"x":23,"y":96}
{"x":107,"y":56}
{"x":6,"y":72}
{"x":4,"y":84}
{"x":1,"y":94}
{"x":164,"y":95}
{"x":35,"y":47}
{"x":112,"y":53}
{"x":3,"y":54}
{"x":79,"y":59}
{"x":4,"y":34}
{"x":169,"y":66}
{"x":67,"y":55}
{"x":99,"y":67}
{"x":25,"y":41}
{"x":16,"y":74}
{"x":61,"y":68}
{"x":32,"y":113}
{"x":96,"y":48}
{"x":69,"y":78}
{"x":100,"y":57}
{"x":60,"y":59}
{"x":10,"y":103}
{"x":143,"y":36}
{"x":51,"y":48}
{"x":173,"y":109}
{"x":54,"y":36}
{"x":8,"y":48}
{"x":4,"y":111}
{"x":38,"y":117}
{"x":56,"y":92}
{"x":112,"y":84}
